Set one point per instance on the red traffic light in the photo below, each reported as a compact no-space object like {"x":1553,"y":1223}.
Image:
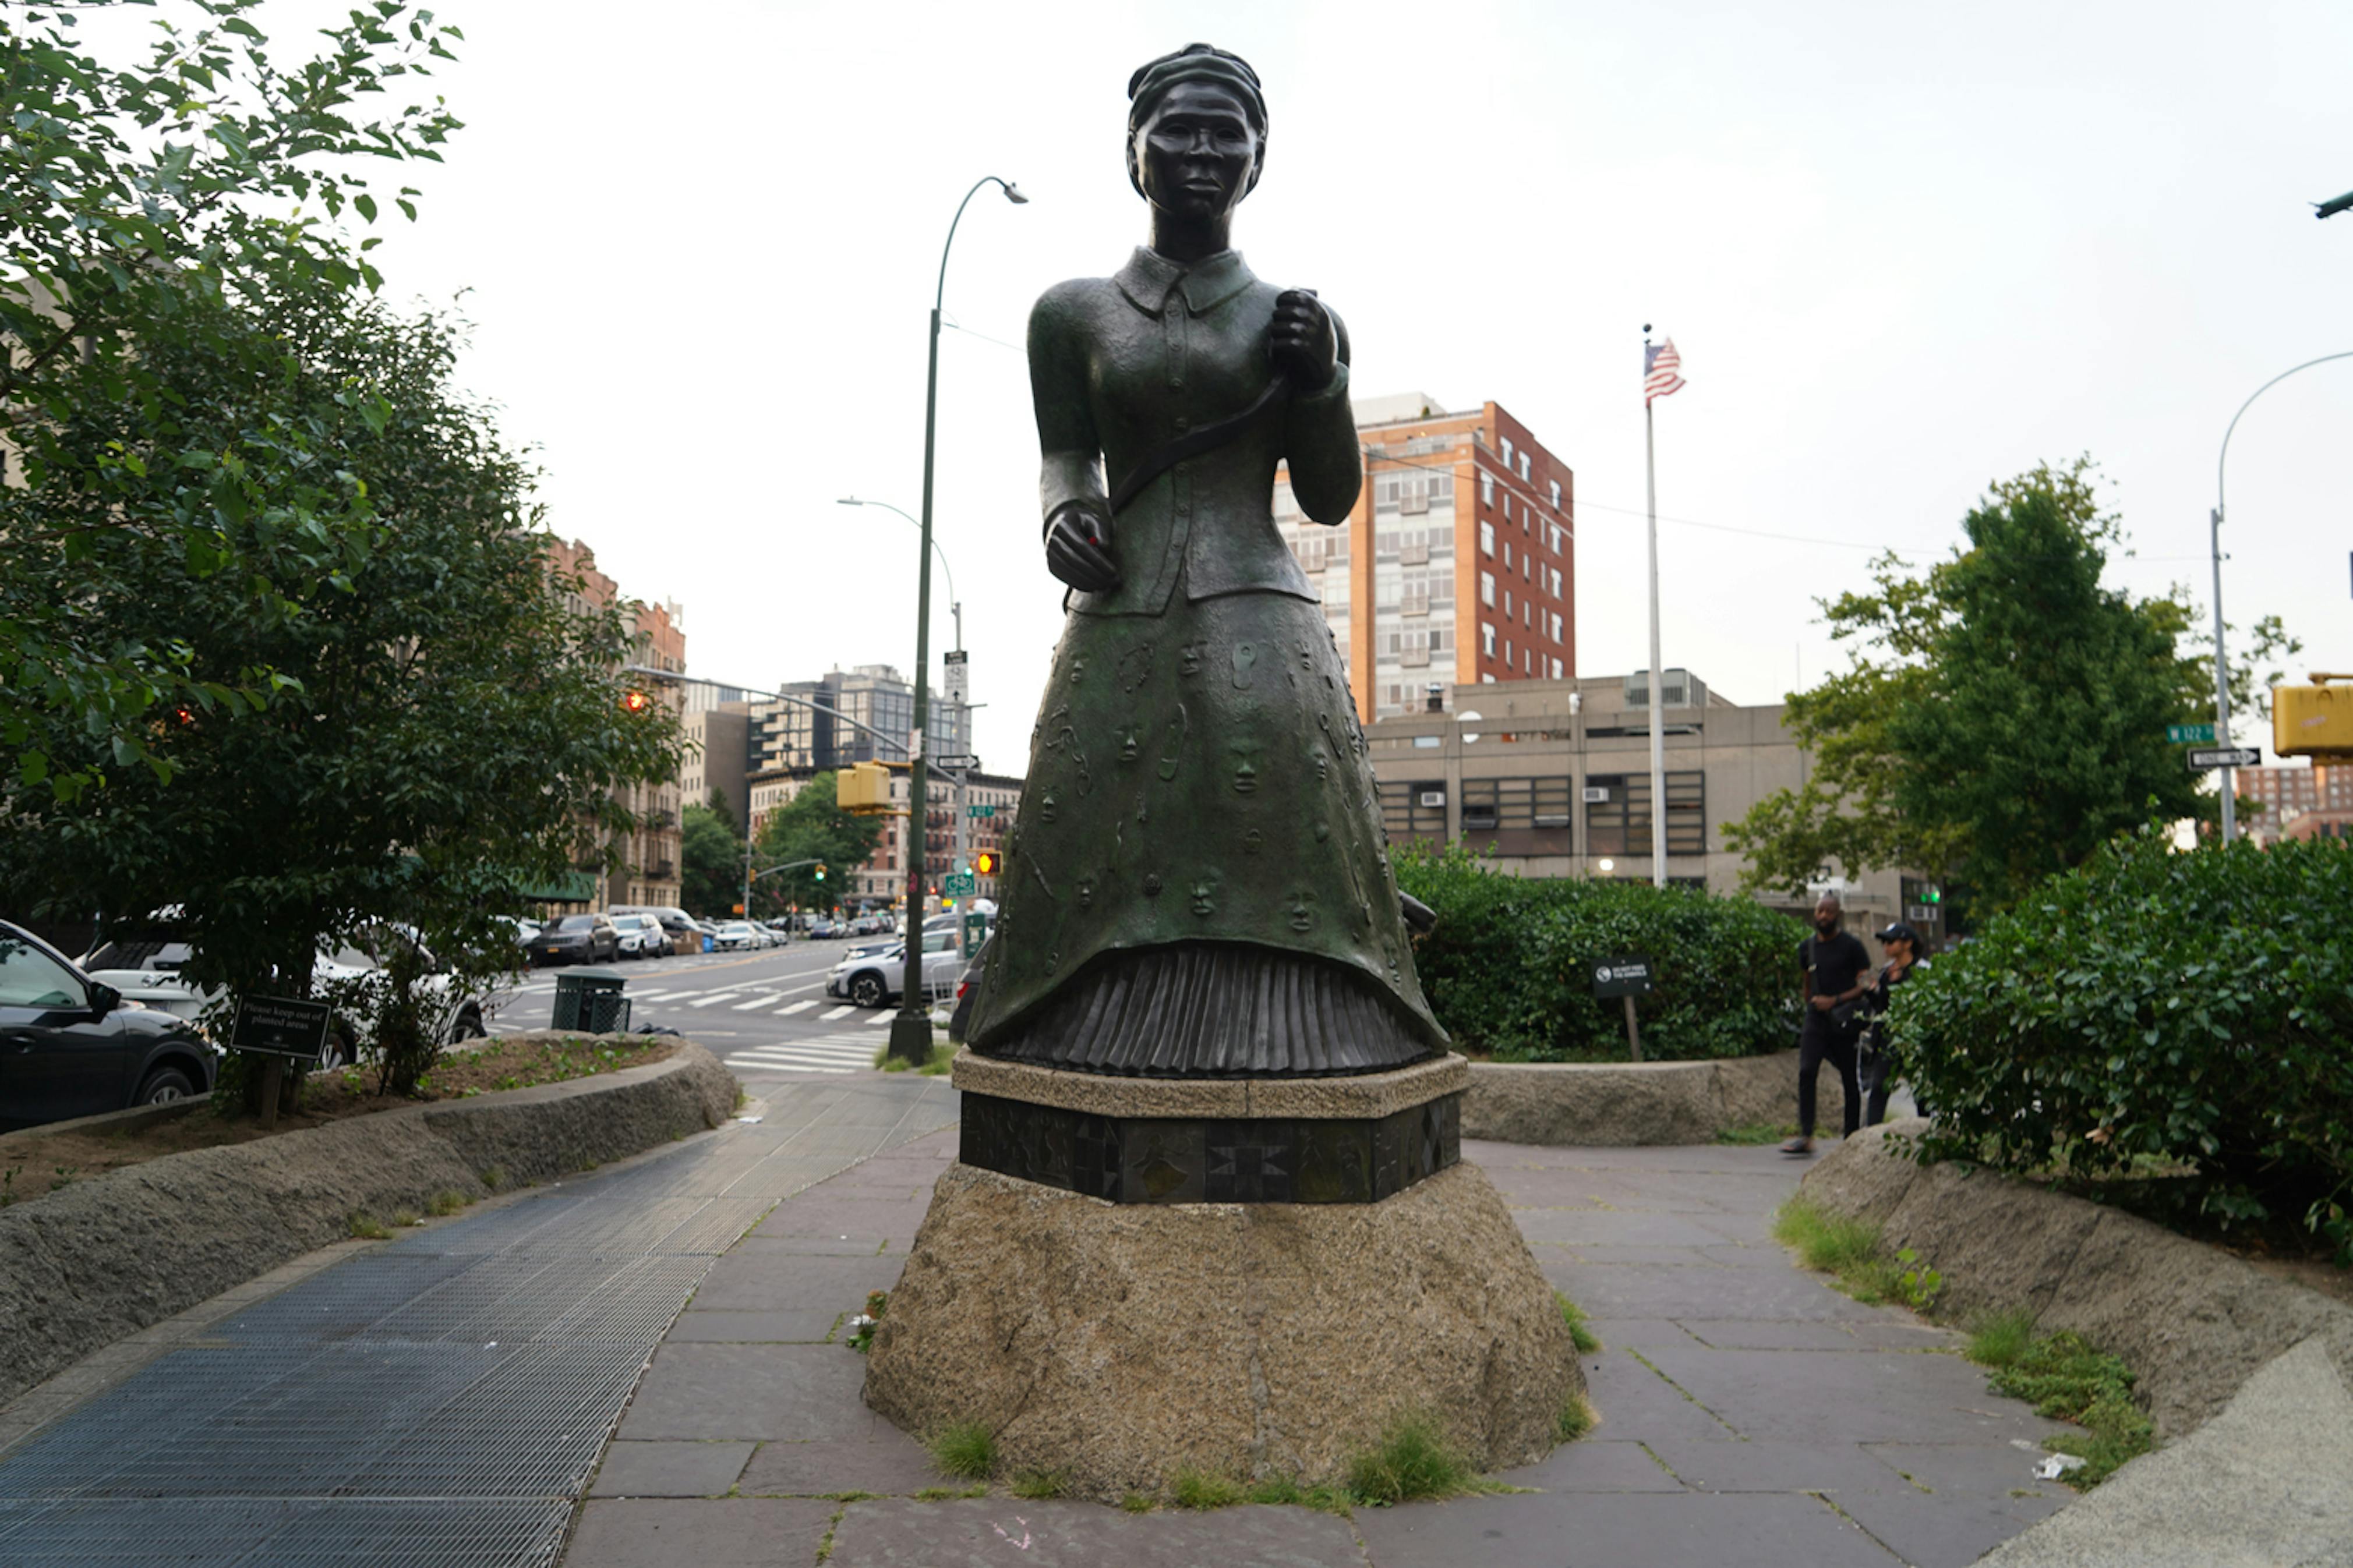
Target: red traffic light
{"x":634,"y":701}
{"x":985,"y":864}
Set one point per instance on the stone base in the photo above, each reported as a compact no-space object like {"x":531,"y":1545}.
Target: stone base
{"x":1121,"y":1344}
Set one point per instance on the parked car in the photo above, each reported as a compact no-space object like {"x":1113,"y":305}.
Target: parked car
{"x":735,"y":935}
{"x":641,"y":936}
{"x":873,"y":980}
{"x":684,"y":937}
{"x":822,"y":929}
{"x":577,"y":938}
{"x":967,"y":993}
{"x":74,"y":1046}
{"x":145,"y":967}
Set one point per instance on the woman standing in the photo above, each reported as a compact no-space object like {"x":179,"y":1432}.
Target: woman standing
{"x":1875,"y":1067}
{"x":1197,"y":884}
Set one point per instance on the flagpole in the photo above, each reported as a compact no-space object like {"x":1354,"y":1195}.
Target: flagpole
{"x":1657,"y":716}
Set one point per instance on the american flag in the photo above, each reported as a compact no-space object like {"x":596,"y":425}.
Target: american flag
{"x":1659,"y":363}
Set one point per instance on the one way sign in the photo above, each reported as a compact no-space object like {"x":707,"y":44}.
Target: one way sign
{"x":2205,"y":761}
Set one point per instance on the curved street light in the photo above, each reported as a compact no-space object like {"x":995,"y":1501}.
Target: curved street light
{"x":911,"y":1030}
{"x":956,"y":603}
{"x":2222,"y":661}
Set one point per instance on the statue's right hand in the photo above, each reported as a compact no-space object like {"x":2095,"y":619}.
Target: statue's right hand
{"x":1078,"y":548}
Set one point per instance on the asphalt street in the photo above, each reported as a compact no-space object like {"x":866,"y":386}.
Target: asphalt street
{"x":764,"y":1014}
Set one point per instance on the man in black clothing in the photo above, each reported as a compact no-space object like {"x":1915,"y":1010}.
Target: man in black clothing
{"x":1835,"y":964}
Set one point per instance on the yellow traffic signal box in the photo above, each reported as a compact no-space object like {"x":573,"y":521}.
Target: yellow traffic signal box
{"x":2314,"y":721}
{"x":863,"y":788}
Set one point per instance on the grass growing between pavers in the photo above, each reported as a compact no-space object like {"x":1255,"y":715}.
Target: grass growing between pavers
{"x":2067,"y":1378}
{"x":2063,"y":1376}
{"x":1581,"y":1332}
{"x":1412,"y":1462}
{"x":937,"y":1065}
{"x":1849,"y":1251}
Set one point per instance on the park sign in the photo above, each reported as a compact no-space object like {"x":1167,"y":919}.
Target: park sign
{"x":1627,"y":975}
{"x":2177,"y":734}
{"x":2206,"y":761}
{"x":279,"y":1026}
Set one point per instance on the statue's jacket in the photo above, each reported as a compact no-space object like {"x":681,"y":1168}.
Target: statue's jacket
{"x":1196,"y":773}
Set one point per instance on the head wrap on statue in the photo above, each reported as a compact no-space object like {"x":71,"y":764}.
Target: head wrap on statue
{"x":1194,"y":62}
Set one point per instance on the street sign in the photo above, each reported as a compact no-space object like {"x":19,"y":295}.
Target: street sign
{"x":961,"y":765}
{"x":2224,"y":757}
{"x":957,"y":886}
{"x":279,"y":1026}
{"x":1628,"y":975}
{"x":980,"y":811}
{"x":2178,"y":733}
{"x":955,"y":686}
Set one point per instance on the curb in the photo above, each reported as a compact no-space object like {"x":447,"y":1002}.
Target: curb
{"x":1616,"y":1105}
{"x":118,"y":1253}
{"x":2192,"y":1321}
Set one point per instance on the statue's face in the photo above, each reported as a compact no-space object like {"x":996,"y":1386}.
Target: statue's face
{"x":1196,"y":155}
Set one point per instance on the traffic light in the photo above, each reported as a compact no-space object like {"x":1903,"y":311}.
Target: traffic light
{"x":821,"y":873}
{"x":634,"y":701}
{"x":1932,"y":894}
{"x":985,"y":863}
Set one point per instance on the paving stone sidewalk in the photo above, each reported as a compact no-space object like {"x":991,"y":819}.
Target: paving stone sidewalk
{"x":1749,"y":1413}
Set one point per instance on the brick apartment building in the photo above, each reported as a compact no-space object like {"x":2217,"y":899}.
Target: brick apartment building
{"x":644,"y":868}
{"x":1458,"y":565}
{"x":2289,"y":791}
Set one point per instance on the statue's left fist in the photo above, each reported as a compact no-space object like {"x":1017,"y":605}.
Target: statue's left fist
{"x":1302,"y":341}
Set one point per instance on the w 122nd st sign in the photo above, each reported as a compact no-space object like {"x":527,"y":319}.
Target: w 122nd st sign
{"x":1627,"y":975}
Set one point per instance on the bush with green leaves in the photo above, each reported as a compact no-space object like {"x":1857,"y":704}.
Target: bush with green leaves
{"x":1509,"y":970}
{"x":2153,"y":1011}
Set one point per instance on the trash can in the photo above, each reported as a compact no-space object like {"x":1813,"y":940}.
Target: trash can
{"x":589,"y":1001}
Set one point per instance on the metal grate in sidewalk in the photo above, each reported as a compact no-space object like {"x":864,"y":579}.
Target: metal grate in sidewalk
{"x":437,"y":1403}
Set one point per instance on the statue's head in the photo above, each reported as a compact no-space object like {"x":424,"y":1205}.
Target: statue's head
{"x":1196,"y":132}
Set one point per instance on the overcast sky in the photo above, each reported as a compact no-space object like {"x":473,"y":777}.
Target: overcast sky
{"x":1904,"y":250}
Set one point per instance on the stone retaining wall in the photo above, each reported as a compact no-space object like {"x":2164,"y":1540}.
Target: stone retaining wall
{"x":2193,"y":1322}
{"x":111,"y":1255}
{"x":1619,"y":1104}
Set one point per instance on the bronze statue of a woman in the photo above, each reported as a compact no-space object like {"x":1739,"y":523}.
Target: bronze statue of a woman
{"x":1198,"y":883}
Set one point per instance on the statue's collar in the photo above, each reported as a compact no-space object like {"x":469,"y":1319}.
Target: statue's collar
{"x":1148,"y":278}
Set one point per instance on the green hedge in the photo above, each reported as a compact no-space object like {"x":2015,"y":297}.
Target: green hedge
{"x":2153,"y":1013}
{"x":1510,"y":968}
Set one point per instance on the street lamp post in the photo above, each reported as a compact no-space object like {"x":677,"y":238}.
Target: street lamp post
{"x":911,"y":1031}
{"x":2222,"y":661}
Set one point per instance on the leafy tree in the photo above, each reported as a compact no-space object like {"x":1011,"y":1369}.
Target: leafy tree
{"x":710,"y":859}
{"x":451,"y":733}
{"x":138,"y":205}
{"x":813,"y":827}
{"x":2003,"y":713}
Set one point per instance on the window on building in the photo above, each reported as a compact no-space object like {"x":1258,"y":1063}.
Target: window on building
{"x":1524,"y":465}
{"x":1507,"y":653}
{"x":1527,"y":661}
{"x":1486,"y":489}
{"x":1621,"y":823}
{"x":1508,"y":451}
{"x":1507,"y":604}
{"x":1555,"y":669}
{"x":1556,"y":626}
{"x":1555,"y":582}
{"x":1555,"y":539}
{"x":1414,"y":809}
{"x":1555,"y":502}
{"x":1486,"y":539}
{"x":1487,"y":589}
{"x":1486,"y":639}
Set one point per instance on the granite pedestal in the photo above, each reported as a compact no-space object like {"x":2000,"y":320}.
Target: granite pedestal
{"x":1126,"y":1278}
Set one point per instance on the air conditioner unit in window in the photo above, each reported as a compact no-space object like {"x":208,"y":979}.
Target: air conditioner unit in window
{"x":1597,"y":794}
{"x":1434,"y":797}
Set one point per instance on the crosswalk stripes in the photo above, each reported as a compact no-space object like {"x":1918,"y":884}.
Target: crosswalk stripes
{"x":714,"y":999}
{"x":883,"y":1016}
{"x":831,"y":1014}
{"x":826,"y":1054}
{"x":803,"y":1006}
{"x":761,"y":1000}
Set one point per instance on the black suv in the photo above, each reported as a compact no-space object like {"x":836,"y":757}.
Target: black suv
{"x":69,"y":1046}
